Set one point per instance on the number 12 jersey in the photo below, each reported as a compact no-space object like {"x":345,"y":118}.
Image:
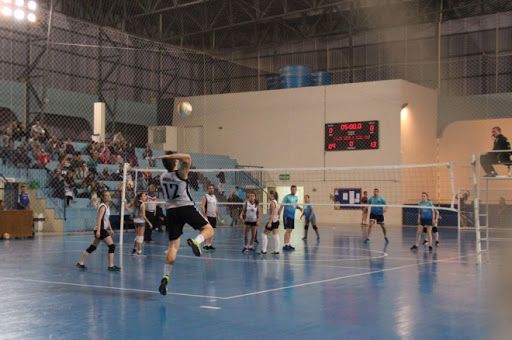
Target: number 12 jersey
{"x":175,"y":190}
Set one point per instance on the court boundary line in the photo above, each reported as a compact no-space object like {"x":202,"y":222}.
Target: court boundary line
{"x":107,"y":287}
{"x":339,"y":278}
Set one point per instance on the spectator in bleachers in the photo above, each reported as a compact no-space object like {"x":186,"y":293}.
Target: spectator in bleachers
{"x":37,"y":132}
{"x":131,"y":156}
{"x":43,"y":159}
{"x":95,"y":201}
{"x":82,"y":172}
{"x":104,"y":154}
{"x":148,"y":155}
{"x":22,"y":159}
{"x":70,"y":149}
{"x":118,"y":139}
{"x":77,"y":161}
{"x":105,"y":175}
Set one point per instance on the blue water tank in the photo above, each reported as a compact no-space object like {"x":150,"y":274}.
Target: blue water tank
{"x":321,"y":78}
{"x":295,"y":76}
{"x":273,"y":82}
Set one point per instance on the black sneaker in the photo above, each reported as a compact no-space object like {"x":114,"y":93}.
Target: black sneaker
{"x":245,"y":250}
{"x":425,"y":242}
{"x":367,"y":240}
{"x":134,"y":251}
{"x":429,"y":248}
{"x":211,"y":247}
{"x":81,"y":266}
{"x":414,"y":247}
{"x":256,"y":241}
{"x":263,"y":252}
{"x":206,"y":248}
{"x":114,"y":269}
{"x":437,"y":243}
{"x":291,"y":248}
{"x":196,"y":248}
{"x":286,"y":247}
{"x":163,"y":285}
{"x":275,"y":253}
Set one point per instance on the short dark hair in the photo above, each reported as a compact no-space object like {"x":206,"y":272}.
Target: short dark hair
{"x":497,"y":128}
{"x":169,"y":163}
{"x":293,"y":186}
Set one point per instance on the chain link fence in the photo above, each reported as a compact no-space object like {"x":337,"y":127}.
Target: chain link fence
{"x":53,"y":72}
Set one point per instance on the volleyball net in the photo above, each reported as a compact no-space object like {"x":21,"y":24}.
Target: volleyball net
{"x":337,"y":193}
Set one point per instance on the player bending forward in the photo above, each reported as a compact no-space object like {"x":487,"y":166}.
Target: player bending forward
{"x":180,"y":210}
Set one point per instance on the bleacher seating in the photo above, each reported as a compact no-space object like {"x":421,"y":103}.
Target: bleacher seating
{"x":80,"y":216}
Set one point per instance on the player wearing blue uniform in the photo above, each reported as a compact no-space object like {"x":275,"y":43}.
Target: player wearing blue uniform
{"x":426,"y":216}
{"x":289,"y":207}
{"x":310,"y":217}
{"x":377,"y":214}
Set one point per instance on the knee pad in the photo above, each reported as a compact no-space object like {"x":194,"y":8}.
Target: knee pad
{"x":434,"y":229}
{"x":306,"y":226}
{"x":91,"y":248}
{"x":112,"y":248}
{"x":315,"y":227}
{"x":424,"y":229}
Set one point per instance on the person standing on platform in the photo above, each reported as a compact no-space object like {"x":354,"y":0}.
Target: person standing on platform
{"x":500,"y":143}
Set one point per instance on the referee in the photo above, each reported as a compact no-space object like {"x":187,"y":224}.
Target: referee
{"x":500,"y":143}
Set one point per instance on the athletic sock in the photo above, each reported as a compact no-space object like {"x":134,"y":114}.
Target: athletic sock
{"x":167,"y":269}
{"x":264,"y":242}
{"x":199,"y":239}
{"x":277,"y":241}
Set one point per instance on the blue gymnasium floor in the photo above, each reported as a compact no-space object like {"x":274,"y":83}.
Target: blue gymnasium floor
{"x":334,"y":289}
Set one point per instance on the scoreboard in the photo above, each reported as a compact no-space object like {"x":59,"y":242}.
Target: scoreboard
{"x":352,"y":136}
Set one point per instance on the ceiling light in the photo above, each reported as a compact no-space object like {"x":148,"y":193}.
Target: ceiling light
{"x":31,"y":17}
{"x":7,"y":11}
{"x":32,"y":5}
{"x":19,"y":14}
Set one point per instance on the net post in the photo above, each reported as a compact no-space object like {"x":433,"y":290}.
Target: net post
{"x":452,"y":183}
{"x":476,"y":208}
{"x":458,"y":209}
{"x":123,"y":198}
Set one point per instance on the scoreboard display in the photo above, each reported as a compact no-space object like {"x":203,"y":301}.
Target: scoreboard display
{"x":352,"y":136}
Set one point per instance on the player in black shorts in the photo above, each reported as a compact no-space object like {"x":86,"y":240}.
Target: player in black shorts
{"x":272,"y":225}
{"x":102,"y":232}
{"x":180,"y":211}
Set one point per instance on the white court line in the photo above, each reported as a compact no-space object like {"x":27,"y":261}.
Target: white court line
{"x":209,"y":307}
{"x":107,"y":287}
{"x":341,"y":278}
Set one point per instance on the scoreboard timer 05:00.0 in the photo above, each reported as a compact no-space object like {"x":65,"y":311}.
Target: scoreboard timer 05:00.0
{"x":352,"y":136}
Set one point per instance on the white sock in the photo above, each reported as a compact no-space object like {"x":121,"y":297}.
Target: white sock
{"x":199,"y":239}
{"x":277,"y":243}
{"x":264,"y":242}
{"x":167,"y":269}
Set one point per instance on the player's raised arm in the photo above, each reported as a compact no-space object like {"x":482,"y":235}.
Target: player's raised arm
{"x":171,"y":158}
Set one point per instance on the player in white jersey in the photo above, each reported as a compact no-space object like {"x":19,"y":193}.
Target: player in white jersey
{"x":210,"y":210}
{"x":140,"y":220}
{"x":102,"y":232}
{"x":251,"y":216}
{"x":272,"y":225}
{"x":180,"y":211}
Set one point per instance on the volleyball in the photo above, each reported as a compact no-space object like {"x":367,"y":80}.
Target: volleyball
{"x":6,"y":236}
{"x":185,"y":109}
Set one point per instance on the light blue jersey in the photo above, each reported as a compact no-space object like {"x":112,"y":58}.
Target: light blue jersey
{"x":308,"y":210}
{"x":377,"y":200}
{"x":289,"y":210}
{"x":426,"y":213}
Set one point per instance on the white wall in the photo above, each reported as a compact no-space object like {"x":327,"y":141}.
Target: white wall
{"x":285,"y":128}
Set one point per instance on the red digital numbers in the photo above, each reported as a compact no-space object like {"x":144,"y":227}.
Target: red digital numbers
{"x":352,"y":136}
{"x":351,"y":126}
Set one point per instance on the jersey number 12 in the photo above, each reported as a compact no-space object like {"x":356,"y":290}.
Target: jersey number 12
{"x":171,"y":191}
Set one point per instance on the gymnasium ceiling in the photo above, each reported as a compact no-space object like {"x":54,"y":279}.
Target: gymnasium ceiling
{"x":228,"y":25}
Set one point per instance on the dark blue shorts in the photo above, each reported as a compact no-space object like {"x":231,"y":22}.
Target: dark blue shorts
{"x":377,"y":218}
{"x":289,"y":223}
{"x":426,"y":222}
